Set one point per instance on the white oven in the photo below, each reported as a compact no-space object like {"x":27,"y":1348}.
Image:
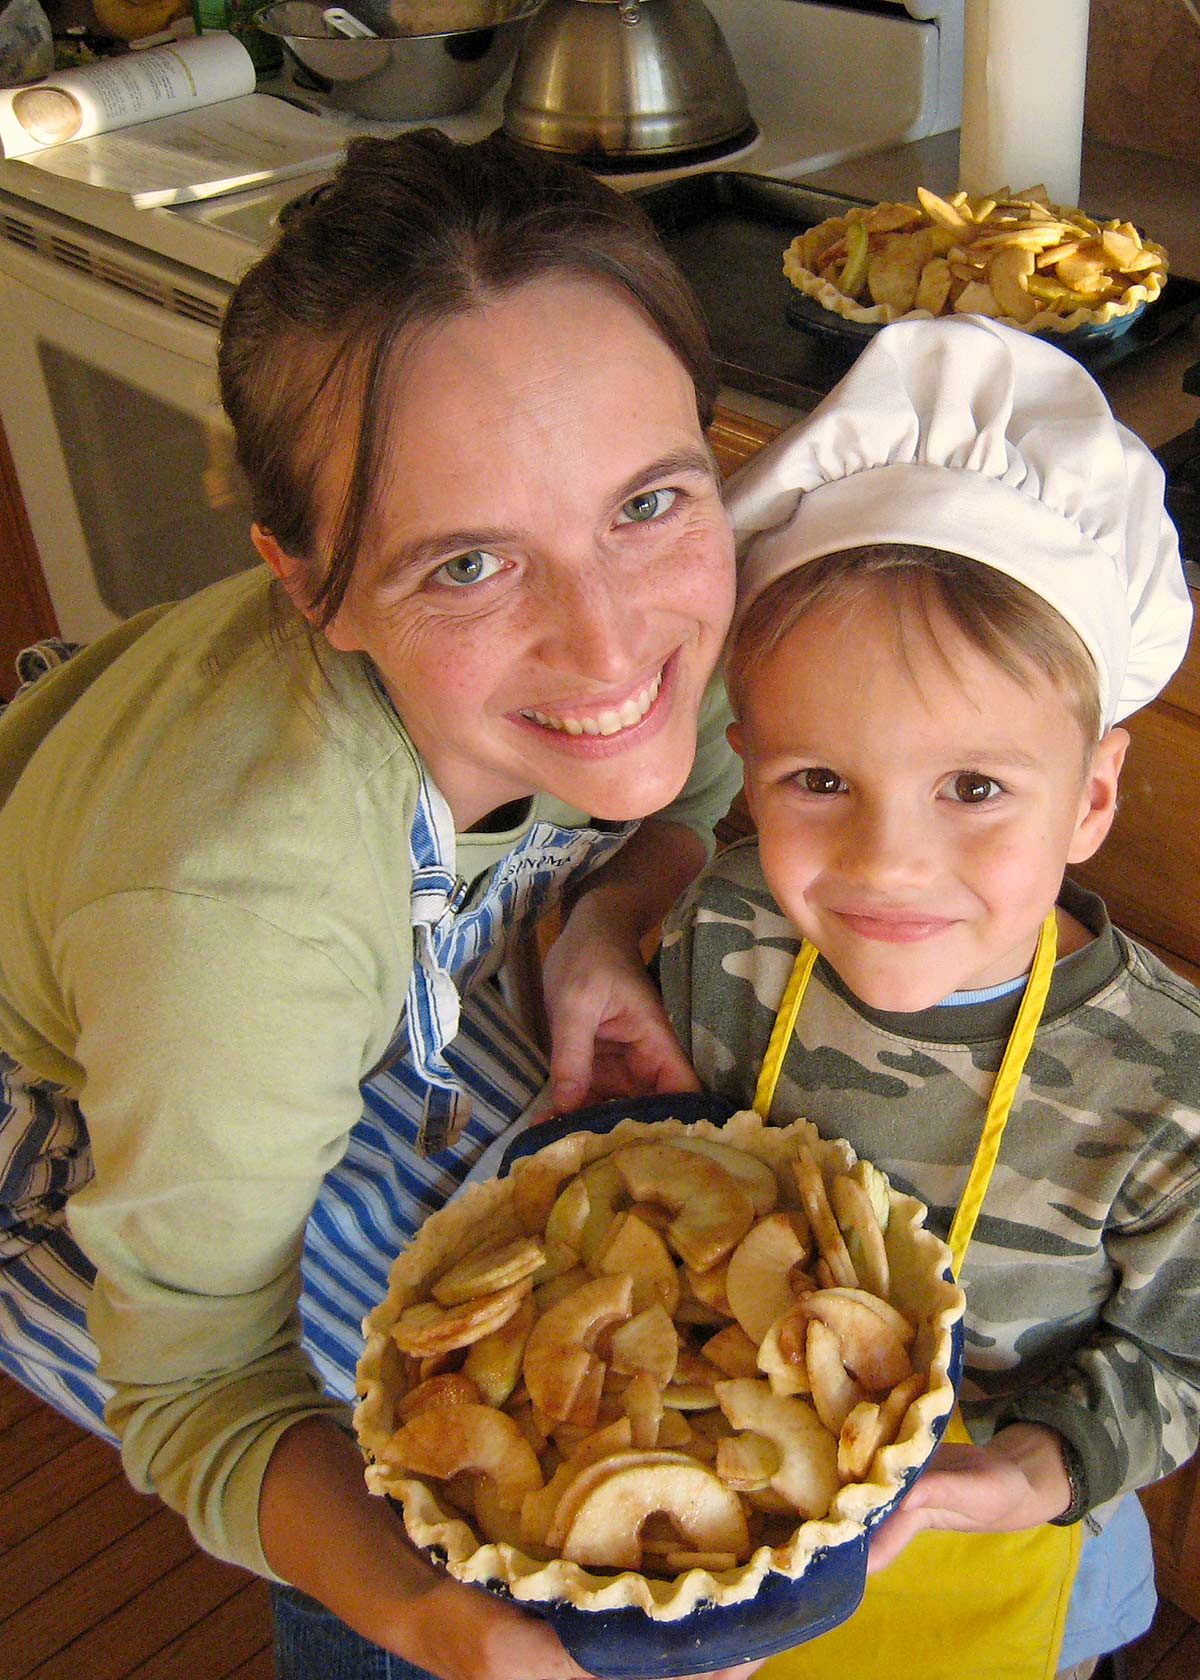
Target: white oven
{"x":109,"y":315}
{"x":107,"y":368}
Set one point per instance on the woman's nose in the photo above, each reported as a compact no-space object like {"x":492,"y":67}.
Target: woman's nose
{"x":595,"y":625}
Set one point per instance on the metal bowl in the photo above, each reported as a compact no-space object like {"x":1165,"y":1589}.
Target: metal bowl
{"x":399,"y":76}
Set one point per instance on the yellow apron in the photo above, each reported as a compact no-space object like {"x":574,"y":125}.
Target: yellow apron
{"x":951,"y":1605}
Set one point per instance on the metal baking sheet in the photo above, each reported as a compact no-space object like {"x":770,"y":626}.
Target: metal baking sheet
{"x":728,"y":232}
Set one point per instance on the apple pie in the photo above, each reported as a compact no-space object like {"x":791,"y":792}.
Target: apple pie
{"x":651,"y":1366}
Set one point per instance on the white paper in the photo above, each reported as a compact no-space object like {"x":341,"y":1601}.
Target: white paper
{"x":120,"y":92}
{"x":1024,"y":72}
{"x":220,"y":149}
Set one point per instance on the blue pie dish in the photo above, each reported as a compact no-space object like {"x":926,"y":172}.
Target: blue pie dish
{"x":1089,"y":339}
{"x":627,"y":1643}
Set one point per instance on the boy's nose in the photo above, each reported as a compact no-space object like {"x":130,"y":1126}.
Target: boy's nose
{"x":884,"y":848}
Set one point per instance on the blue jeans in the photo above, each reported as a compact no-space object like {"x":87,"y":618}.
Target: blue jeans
{"x":312,"y":1644}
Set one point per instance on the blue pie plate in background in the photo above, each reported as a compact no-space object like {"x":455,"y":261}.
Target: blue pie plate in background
{"x":1087,"y":341}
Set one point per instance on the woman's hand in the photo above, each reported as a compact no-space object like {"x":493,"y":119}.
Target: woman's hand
{"x":610,"y":1033}
{"x":609,"y":1030}
{"x":1017,"y":1480}
{"x":322,"y":1531}
{"x":326,"y":1534}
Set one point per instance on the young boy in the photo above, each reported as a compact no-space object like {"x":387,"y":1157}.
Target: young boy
{"x":956,"y":577}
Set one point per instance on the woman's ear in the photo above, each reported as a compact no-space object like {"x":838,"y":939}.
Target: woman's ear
{"x":290,"y":572}
{"x":341,"y":631}
{"x":1098,"y":802}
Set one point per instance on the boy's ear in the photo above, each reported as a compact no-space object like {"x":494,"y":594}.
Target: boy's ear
{"x":1098,"y":803}
{"x":737,"y":741}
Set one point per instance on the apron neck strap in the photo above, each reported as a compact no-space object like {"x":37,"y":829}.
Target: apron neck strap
{"x":1004,"y":1091}
{"x":1020,"y":1042}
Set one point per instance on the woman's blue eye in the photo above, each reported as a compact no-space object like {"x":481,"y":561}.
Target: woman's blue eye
{"x":473,"y":567}
{"x":647,"y":504}
{"x":972,"y":787}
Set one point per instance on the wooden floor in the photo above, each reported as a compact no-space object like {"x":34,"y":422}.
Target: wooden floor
{"x":100,"y":1583}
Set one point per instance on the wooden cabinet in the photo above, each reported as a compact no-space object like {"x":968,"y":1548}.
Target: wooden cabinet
{"x":25,"y":610}
{"x":1147,"y":871}
{"x":1148,"y":868}
{"x":1173,"y":1508}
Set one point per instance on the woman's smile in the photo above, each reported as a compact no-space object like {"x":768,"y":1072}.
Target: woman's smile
{"x":612,"y":720}
{"x":585,"y":725}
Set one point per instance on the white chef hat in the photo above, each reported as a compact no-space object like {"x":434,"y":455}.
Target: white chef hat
{"x":980,"y":440}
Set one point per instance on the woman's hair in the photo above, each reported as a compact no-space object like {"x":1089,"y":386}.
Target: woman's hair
{"x":1014,"y":627}
{"x":410,"y":232}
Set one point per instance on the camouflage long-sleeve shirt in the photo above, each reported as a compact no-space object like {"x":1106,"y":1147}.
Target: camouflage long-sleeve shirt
{"x":1083,"y":1277}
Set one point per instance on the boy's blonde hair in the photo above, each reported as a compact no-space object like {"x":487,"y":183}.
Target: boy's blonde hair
{"x":1010,"y":624}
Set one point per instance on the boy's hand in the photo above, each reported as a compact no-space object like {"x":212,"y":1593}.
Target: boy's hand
{"x":1017,"y":1480}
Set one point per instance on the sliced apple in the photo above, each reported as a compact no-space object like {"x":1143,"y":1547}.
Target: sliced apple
{"x":732,"y":1351}
{"x":826,"y":1233}
{"x":643,"y":1405}
{"x":630,"y":1245}
{"x":756,"y":1178}
{"x":448,"y":1388}
{"x":869,"y":1347}
{"x":428,"y":1330}
{"x":493,"y":1363}
{"x":606,"y":1528}
{"x":648,"y":1342}
{"x":855,"y":1214}
{"x":758,"y":1278}
{"x":710,"y":1211}
{"x":558,"y":1353}
{"x":835,"y":1393}
{"x":606,"y":1196}
{"x":444,"y":1441}
{"x":782,"y":1357}
{"x":747,"y":1462}
{"x":891,"y":1316}
{"x":807,"y":1475}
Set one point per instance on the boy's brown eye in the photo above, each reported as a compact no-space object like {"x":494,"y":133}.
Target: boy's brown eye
{"x":972,"y":788}
{"x":820,"y":781}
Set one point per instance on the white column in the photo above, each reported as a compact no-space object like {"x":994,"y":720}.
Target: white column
{"x":1024,"y":70}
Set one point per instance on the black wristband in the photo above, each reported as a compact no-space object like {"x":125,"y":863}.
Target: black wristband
{"x":1076,"y":1481}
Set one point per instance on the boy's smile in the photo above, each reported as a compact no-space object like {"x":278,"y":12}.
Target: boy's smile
{"x":916,"y":805}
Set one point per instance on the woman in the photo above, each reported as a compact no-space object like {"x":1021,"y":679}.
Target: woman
{"x":250,"y":834}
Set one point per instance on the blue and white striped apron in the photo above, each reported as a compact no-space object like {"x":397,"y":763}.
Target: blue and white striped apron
{"x":460,"y":1070}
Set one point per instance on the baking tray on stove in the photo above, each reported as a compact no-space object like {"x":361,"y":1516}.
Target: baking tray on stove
{"x":728,"y":232}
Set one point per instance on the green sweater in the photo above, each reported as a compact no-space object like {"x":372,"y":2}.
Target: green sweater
{"x":205,"y":903}
{"x":1083,"y":1277}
